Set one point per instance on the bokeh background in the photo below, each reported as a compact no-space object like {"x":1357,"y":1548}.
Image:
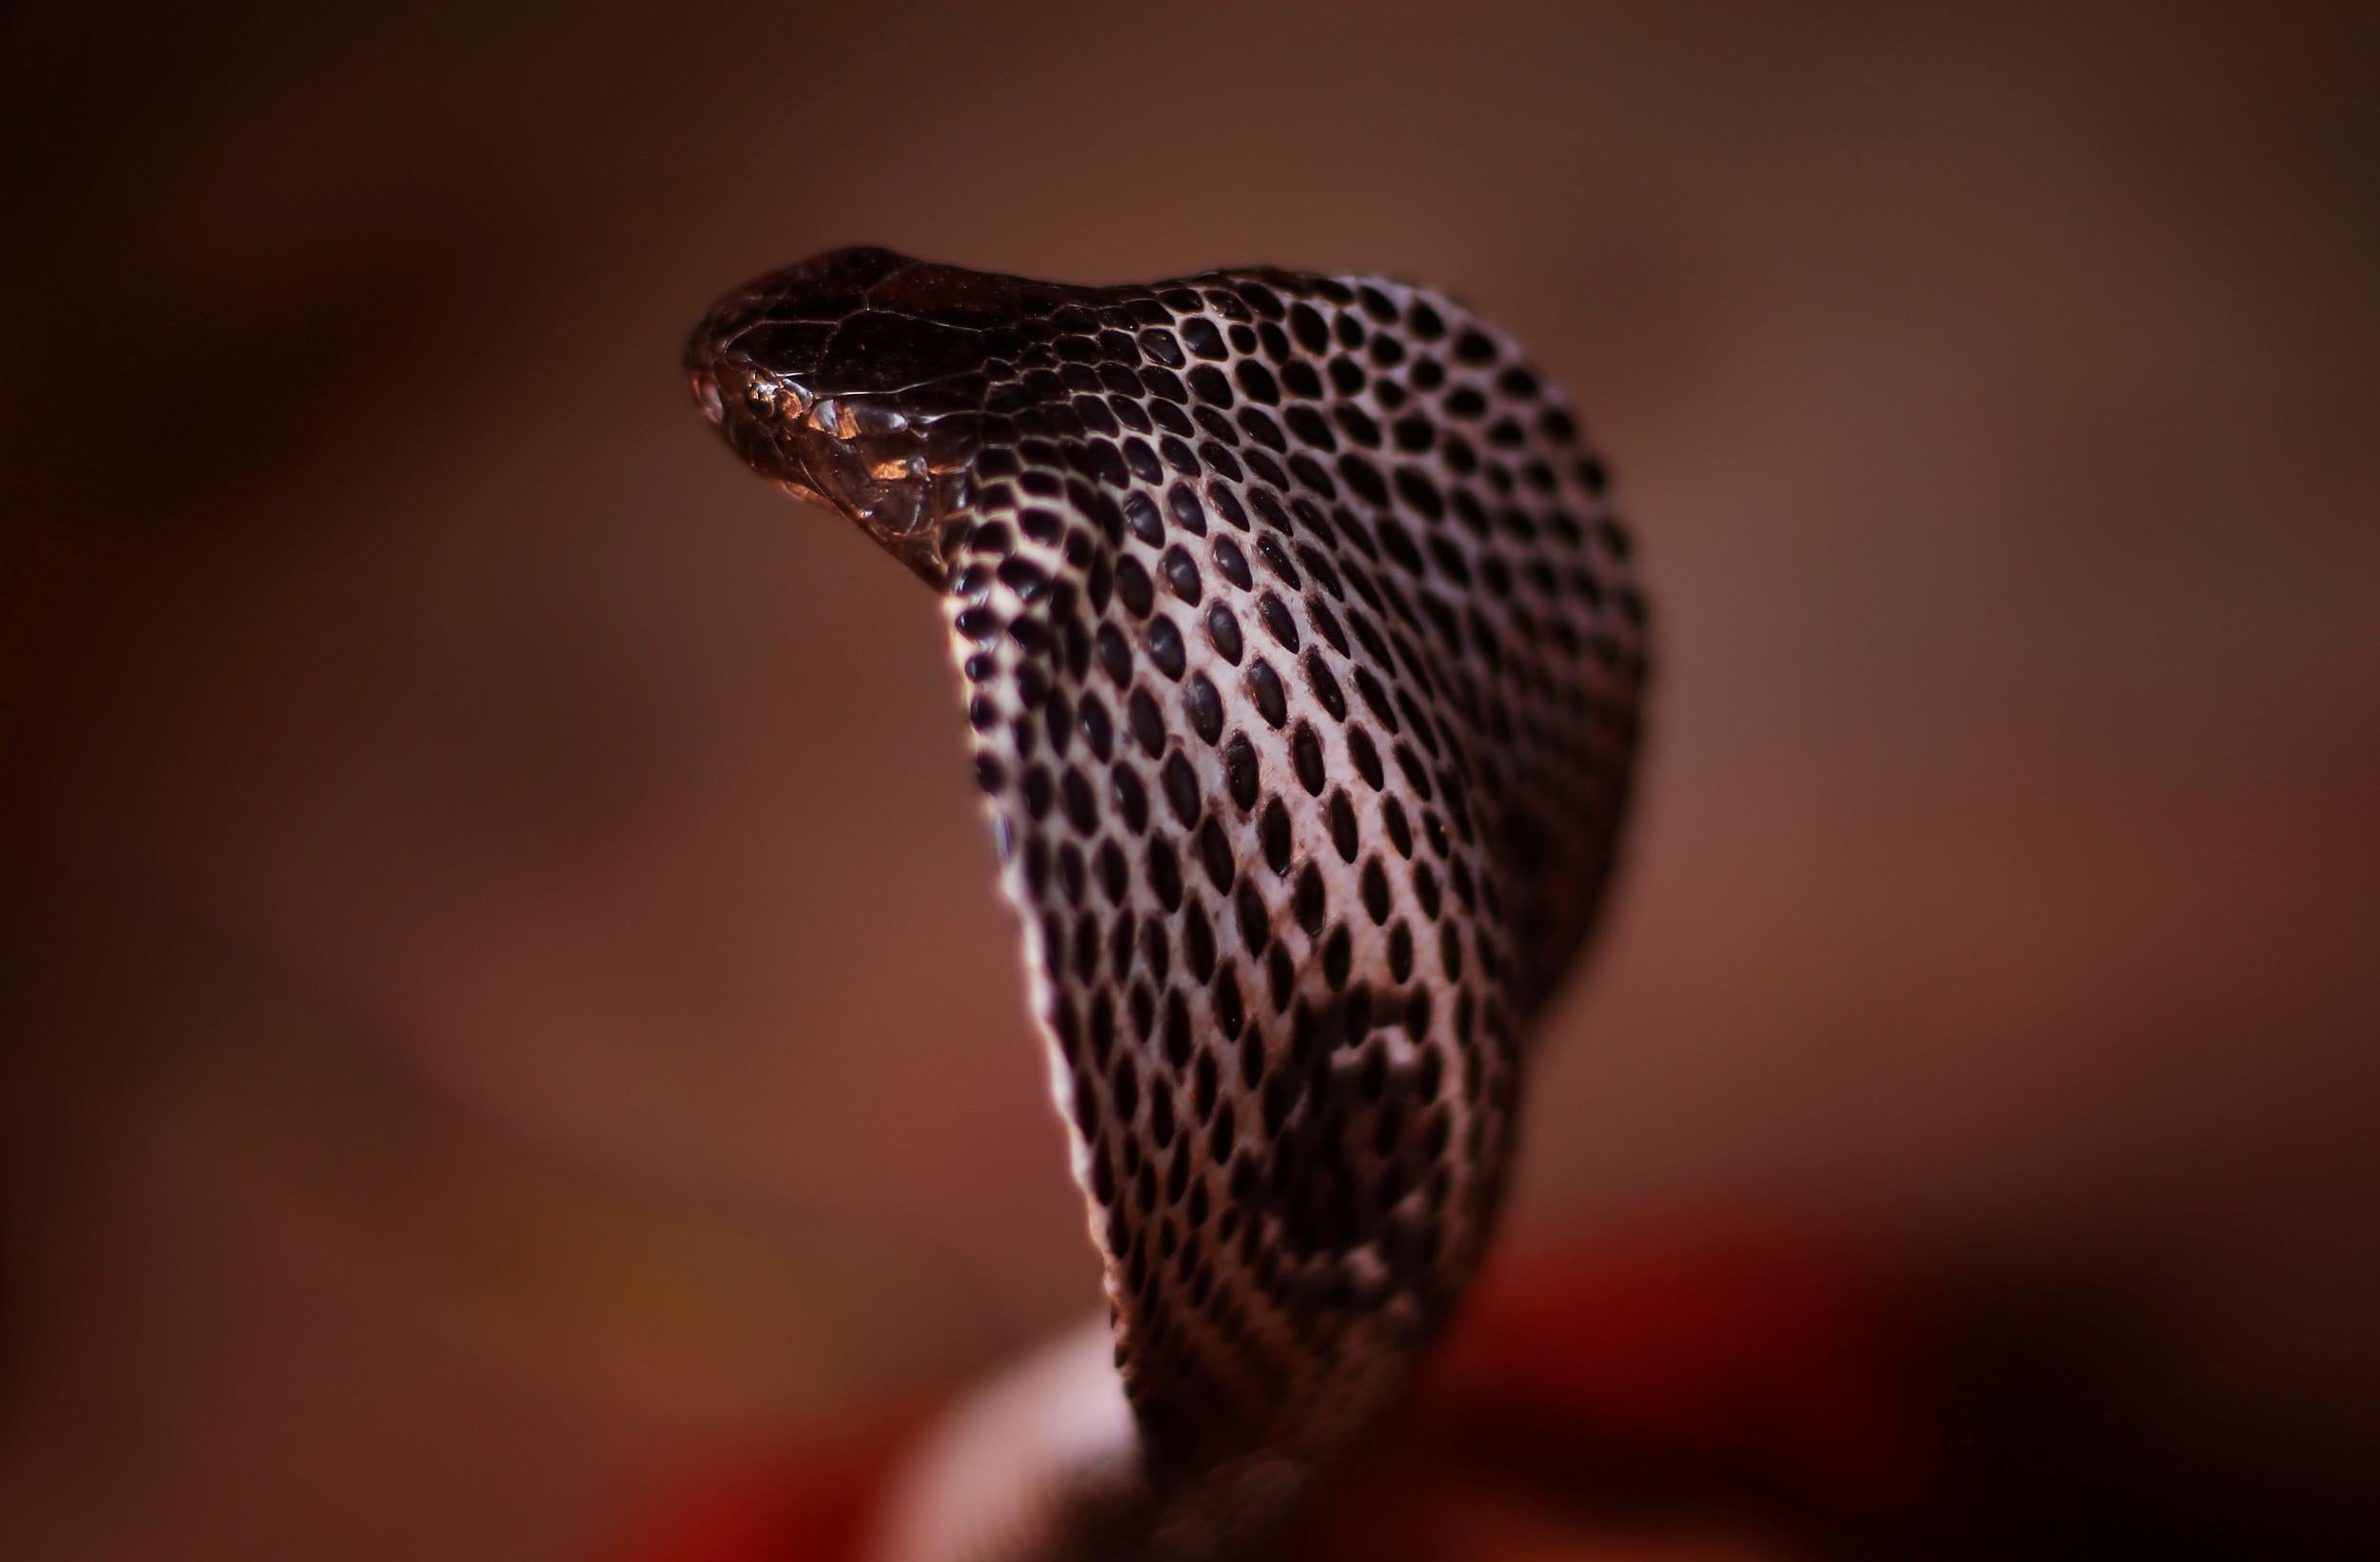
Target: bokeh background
{"x":505,"y":990}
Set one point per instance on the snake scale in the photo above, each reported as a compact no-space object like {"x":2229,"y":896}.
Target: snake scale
{"x":1302,"y":658}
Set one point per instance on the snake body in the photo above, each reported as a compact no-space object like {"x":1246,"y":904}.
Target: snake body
{"x":1302,"y":658}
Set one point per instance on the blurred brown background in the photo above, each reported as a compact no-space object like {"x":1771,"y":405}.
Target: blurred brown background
{"x":504,"y":977}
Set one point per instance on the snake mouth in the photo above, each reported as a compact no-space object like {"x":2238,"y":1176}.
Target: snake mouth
{"x":851,"y":454}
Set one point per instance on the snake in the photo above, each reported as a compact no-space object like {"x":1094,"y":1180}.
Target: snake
{"x":1302,"y":656}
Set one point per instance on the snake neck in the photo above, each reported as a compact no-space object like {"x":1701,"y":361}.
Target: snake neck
{"x":1044,"y":1464}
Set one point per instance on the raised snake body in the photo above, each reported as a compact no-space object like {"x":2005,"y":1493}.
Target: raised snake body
{"x":1302,"y":658}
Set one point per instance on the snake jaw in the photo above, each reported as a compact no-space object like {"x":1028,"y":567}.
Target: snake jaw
{"x":851,"y":454}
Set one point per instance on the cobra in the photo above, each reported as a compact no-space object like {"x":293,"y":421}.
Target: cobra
{"x":1302,"y":658}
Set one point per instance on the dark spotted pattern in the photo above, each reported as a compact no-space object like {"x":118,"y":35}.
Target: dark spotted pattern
{"x":1302,"y":656}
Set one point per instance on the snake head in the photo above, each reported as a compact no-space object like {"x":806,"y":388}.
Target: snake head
{"x":829,"y":375}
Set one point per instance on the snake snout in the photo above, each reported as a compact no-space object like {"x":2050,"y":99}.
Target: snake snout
{"x":755,"y":411}
{"x":854,"y":454}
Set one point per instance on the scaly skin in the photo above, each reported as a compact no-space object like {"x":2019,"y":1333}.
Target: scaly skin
{"x":1302,"y":661}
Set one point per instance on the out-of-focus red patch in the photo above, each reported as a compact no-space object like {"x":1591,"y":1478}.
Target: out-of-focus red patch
{"x":796,"y":1497}
{"x":1733,"y":1375}
{"x":1793,"y":1356}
